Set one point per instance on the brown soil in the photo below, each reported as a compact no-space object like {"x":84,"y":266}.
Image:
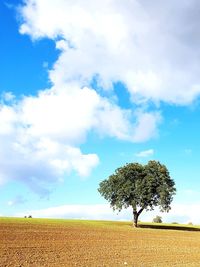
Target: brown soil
{"x":29,"y":243}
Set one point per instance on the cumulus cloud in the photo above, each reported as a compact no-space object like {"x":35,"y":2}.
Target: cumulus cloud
{"x":146,"y":125}
{"x":7,"y":97}
{"x":40,"y":135}
{"x":179,"y":213}
{"x":151,"y":47}
{"x":145,"y":153}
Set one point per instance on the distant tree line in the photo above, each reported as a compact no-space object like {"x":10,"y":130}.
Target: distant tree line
{"x":29,"y":216}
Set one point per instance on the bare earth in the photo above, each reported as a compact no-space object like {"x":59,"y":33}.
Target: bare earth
{"x":34,"y":242}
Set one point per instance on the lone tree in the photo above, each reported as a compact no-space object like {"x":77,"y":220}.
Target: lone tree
{"x":141,"y":187}
{"x":157,"y":219}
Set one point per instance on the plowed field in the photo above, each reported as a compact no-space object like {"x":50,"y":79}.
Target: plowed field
{"x":34,"y":242}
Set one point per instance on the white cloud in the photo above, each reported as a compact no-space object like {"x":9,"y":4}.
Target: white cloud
{"x":134,"y":42}
{"x":7,"y":96}
{"x":66,"y":113}
{"x":145,"y":153}
{"x":185,"y":213}
{"x":39,"y":162}
{"x":74,"y":212}
{"x":40,"y":135}
{"x":179,"y":213}
{"x":69,"y":112}
{"x":8,"y":118}
{"x":152,"y":47}
{"x":146,"y":126}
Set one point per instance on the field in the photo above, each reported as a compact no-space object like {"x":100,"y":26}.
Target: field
{"x":42,"y":242}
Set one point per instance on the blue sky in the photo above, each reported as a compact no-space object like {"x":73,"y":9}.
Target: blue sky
{"x":87,"y":88}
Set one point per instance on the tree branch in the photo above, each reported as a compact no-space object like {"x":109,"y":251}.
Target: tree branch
{"x":140,"y":211}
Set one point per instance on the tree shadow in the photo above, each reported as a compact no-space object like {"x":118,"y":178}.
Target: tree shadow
{"x":170,"y":227}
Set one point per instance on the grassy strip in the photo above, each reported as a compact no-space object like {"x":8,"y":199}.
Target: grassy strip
{"x":94,"y":223}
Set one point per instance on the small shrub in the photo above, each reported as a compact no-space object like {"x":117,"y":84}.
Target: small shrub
{"x":190,"y":223}
{"x":157,"y":219}
{"x":25,"y":216}
{"x":174,"y":223}
{"x":30,"y":216}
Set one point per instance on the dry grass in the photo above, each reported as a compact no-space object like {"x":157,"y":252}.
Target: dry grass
{"x":34,"y":242}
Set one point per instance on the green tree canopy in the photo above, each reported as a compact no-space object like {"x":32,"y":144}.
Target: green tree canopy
{"x":141,"y":187}
{"x":157,"y":219}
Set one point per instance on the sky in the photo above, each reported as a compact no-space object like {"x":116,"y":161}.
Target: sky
{"x":86,"y":87}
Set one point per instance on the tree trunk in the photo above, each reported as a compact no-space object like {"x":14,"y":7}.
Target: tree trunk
{"x":135,"y":216}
